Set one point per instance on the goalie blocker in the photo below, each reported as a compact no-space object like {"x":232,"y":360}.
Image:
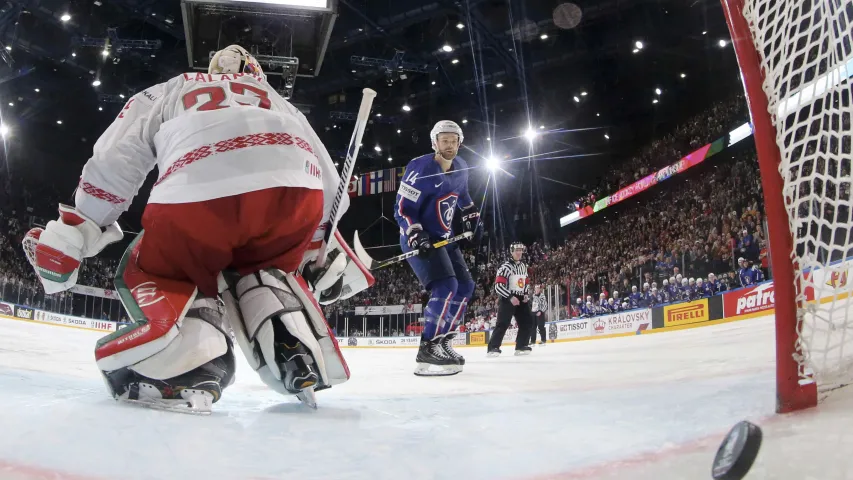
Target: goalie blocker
{"x":178,"y":352}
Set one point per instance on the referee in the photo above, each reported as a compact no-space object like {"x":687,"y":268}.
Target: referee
{"x":540,"y":306}
{"x":513,"y":286}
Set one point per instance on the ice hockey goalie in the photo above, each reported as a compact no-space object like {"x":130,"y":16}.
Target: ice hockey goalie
{"x":243,"y":193}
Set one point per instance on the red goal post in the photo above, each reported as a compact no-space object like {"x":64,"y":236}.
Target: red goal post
{"x":793,"y":392}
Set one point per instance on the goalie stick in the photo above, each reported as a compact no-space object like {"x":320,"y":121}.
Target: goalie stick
{"x":367,"y":96}
{"x":372,"y":264}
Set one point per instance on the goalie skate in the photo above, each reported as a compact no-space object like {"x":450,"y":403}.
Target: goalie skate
{"x":194,"y":402}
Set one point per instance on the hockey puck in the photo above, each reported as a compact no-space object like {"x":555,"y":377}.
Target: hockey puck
{"x":737,"y":452}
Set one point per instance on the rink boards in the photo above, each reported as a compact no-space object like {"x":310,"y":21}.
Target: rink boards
{"x":735,"y":305}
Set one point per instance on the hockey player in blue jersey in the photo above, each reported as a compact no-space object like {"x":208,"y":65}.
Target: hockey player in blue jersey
{"x":749,"y":275}
{"x":635,"y":299}
{"x":434,"y":187}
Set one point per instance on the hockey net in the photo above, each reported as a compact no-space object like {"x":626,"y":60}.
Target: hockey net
{"x":796,"y":59}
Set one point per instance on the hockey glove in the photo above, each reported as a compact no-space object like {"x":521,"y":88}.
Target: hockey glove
{"x":56,"y":251}
{"x":342,"y":276}
{"x":418,"y":239}
{"x":470,"y":219}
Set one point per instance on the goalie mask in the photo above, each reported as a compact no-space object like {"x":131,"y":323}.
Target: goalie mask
{"x":234,"y":59}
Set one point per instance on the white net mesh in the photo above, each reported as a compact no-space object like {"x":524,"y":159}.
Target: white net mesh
{"x":807,"y":59}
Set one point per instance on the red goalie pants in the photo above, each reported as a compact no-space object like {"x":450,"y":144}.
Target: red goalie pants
{"x":247,"y":232}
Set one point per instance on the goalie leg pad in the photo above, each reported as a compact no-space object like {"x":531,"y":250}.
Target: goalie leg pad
{"x":268,"y":310}
{"x":174,"y":330}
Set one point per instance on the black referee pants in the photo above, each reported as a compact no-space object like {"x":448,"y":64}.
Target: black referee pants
{"x":538,"y":323}
{"x":523,"y":317}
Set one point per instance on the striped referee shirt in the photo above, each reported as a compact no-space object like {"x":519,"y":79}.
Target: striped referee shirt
{"x":512,"y":279}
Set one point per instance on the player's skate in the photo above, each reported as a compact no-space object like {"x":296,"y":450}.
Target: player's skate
{"x":433,"y":361}
{"x":495,"y":352}
{"x":193,"y":392}
{"x":447,"y":344}
{"x":521,"y":351}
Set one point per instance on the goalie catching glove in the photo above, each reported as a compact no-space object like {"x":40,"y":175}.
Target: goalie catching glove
{"x":55,"y":252}
{"x":342,"y":276}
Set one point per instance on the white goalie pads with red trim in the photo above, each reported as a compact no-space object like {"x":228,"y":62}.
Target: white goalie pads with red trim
{"x":257,"y":300}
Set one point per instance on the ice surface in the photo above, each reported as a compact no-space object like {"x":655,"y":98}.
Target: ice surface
{"x":646,"y":407}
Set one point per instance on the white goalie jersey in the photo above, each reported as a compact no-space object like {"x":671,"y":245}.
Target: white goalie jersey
{"x":210,"y":136}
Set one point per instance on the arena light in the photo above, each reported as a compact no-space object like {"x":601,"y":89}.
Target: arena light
{"x":390,"y":159}
{"x":37,"y":90}
{"x":4,"y":131}
{"x":492,"y":163}
{"x":530,"y":134}
{"x":722,"y":43}
{"x":658,"y":91}
{"x":100,"y":109}
{"x":454,"y":61}
{"x":433,"y":82}
{"x":636,"y":50}
{"x":655,"y":100}
{"x":577,"y":100}
{"x":398,"y":130}
{"x":683,"y":75}
{"x":460,"y":26}
{"x":8,"y":48}
{"x":377,"y":148}
{"x":65,"y":17}
{"x":11,"y":104}
{"x":96,"y":83}
{"x":607,"y":136}
{"x":544,"y":36}
{"x":407,"y":108}
{"x":464,"y":120}
{"x":638,"y":45}
{"x":583,"y":94}
{"x":291,"y":3}
{"x":105,"y":52}
{"x":447,"y":48}
{"x":500,"y":85}
{"x":59,"y":122}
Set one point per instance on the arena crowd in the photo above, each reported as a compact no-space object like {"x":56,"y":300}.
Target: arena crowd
{"x":685,"y":241}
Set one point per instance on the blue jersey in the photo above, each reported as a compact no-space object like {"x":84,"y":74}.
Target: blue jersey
{"x":428,"y":197}
{"x":750,"y":276}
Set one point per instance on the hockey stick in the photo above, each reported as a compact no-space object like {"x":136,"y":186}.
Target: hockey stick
{"x":367,"y":96}
{"x":372,"y":264}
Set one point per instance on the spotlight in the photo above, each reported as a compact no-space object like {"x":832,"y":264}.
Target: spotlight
{"x":500,"y":85}
{"x":447,"y":48}
{"x":407,"y":108}
{"x":530,"y":134}
{"x":492,"y":164}
{"x":377,"y":148}
{"x":722,"y":43}
{"x":4,"y":130}
{"x":96,"y":83}
{"x":638,"y":44}
{"x":65,"y":17}
{"x":460,"y":26}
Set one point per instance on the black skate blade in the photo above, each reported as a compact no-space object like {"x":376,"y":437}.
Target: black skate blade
{"x":308,"y":398}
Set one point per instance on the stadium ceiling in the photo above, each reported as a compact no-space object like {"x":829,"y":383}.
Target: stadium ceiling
{"x":495,"y":66}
